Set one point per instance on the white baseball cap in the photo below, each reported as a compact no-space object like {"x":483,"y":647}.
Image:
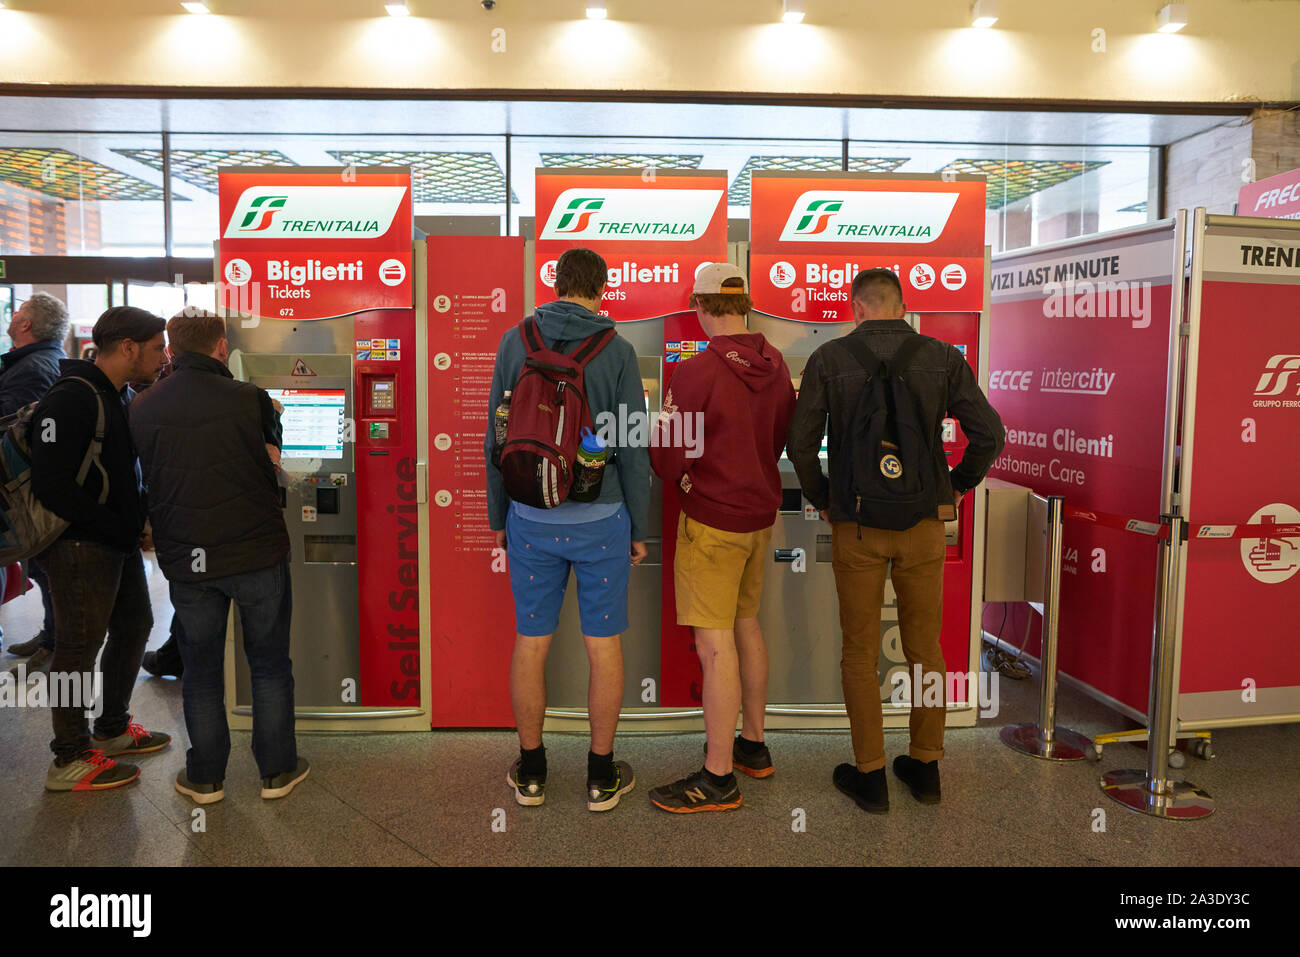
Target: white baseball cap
{"x":710,"y":279}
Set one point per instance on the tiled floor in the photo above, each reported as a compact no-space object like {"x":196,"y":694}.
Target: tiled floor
{"x":434,"y":799}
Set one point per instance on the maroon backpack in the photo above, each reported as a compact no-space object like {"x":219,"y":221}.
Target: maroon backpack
{"x":548,"y":409}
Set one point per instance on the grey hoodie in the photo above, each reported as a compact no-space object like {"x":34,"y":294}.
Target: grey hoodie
{"x":611,"y":379}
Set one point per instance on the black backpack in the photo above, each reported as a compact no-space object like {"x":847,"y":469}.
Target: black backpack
{"x":892,"y":479}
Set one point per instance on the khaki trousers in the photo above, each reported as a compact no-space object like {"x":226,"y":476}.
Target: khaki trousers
{"x":914,"y":559}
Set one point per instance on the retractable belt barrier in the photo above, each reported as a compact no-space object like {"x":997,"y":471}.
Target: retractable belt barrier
{"x":1156,"y":530}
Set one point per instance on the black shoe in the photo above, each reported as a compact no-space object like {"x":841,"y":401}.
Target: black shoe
{"x":870,"y":791}
{"x":281,"y":784}
{"x":152,"y":665}
{"x":757,"y":764}
{"x":25,"y":649}
{"x":530,"y":789}
{"x":696,"y":792}
{"x":921,"y":776}
{"x":604,"y":795}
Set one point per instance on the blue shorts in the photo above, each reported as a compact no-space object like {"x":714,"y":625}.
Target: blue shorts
{"x":540,"y":556}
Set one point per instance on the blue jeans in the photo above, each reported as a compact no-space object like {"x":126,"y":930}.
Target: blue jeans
{"x":265,"y":604}
{"x":97,"y":589}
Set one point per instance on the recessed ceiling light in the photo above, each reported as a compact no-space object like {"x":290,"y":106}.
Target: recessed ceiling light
{"x":397,"y":9}
{"x":1171,"y":18}
{"x":792,"y":11}
{"x":983,"y":13}
{"x":597,"y":10}
{"x":196,"y":8}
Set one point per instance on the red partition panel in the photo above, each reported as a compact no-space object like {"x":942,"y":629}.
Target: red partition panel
{"x":475,"y":295}
{"x":1078,"y":367}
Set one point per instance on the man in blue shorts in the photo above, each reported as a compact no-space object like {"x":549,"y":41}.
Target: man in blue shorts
{"x":599,"y":540}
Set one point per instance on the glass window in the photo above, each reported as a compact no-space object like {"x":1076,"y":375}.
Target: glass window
{"x":71,"y":194}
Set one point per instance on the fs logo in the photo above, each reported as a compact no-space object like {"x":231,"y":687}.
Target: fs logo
{"x":1277,"y":373}
{"x":261,"y":211}
{"x":578,"y":213}
{"x":817,"y":216}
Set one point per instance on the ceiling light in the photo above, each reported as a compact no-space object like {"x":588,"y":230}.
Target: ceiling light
{"x":397,"y":9}
{"x":1171,"y":18}
{"x":983,"y":13}
{"x":792,"y":11}
{"x":596,"y":10}
{"x":196,"y":8}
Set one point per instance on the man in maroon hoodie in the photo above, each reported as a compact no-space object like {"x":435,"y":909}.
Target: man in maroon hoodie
{"x":740,"y":392}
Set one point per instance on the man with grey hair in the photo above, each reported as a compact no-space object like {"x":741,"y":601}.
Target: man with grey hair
{"x":27,"y":371}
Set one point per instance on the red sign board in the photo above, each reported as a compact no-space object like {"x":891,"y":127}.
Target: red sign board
{"x":654,"y":228}
{"x":1277,"y":197}
{"x":811,"y":233}
{"x":303,"y":244}
{"x":475,"y":295}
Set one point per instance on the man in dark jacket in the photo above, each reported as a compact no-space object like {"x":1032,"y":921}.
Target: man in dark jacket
{"x":27,"y":371}
{"x":95,"y":568}
{"x":208,"y":444}
{"x":941,"y":381}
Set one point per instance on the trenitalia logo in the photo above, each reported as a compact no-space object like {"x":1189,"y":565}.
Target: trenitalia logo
{"x":668,"y":215}
{"x":822,"y":216}
{"x":578,"y":213}
{"x":1276,"y":375}
{"x":818,"y":215}
{"x":314,"y":212}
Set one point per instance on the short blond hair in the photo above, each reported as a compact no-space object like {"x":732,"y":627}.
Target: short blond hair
{"x":195,"y":332}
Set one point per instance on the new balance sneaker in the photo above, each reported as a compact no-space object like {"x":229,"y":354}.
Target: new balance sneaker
{"x":921,"y":776}
{"x":604,"y":795}
{"x":199,"y":793}
{"x":757,"y":764}
{"x":281,"y":784}
{"x":135,"y":740}
{"x":870,"y":790}
{"x":530,"y":789}
{"x":696,"y":792}
{"x":91,"y":771}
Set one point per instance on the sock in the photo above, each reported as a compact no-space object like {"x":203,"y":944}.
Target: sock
{"x":600,"y":767}
{"x":533,"y":761}
{"x":747,"y":746}
{"x":720,"y":780}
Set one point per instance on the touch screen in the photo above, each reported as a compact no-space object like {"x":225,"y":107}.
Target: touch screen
{"x":312,"y":422}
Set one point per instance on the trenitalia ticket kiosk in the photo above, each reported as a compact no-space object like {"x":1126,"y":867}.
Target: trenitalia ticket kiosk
{"x":315,"y":272}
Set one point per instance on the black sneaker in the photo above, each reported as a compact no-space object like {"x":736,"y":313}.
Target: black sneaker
{"x":281,"y":784}
{"x":696,"y":792}
{"x":25,"y":649}
{"x":604,"y":795}
{"x":530,"y":789}
{"x":870,"y":790}
{"x":921,"y":776}
{"x":156,"y":668}
{"x":199,"y":793}
{"x":757,"y":764}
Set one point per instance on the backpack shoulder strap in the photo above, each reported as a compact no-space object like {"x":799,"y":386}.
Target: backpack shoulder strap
{"x":591,"y":347}
{"x":531,"y":335}
{"x":906,"y":353}
{"x":96,"y":447}
{"x":861,"y":353}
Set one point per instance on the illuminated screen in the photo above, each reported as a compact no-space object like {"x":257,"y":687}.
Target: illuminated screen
{"x":312,"y":422}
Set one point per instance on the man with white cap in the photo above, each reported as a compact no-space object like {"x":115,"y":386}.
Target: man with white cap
{"x":729,"y":496}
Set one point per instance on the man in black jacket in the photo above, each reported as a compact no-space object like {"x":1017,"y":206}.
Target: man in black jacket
{"x":940,"y":380}
{"x":95,"y":568}
{"x":209,"y":447}
{"x":27,"y":371}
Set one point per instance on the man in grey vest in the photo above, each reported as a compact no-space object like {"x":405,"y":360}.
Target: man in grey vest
{"x":208,"y":445}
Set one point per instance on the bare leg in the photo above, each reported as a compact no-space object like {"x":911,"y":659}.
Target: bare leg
{"x":753,"y":677}
{"x":717,"y":650}
{"x":604,"y":690}
{"x":528,"y":688}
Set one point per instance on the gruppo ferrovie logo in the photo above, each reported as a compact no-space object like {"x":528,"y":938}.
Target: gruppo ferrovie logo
{"x":817,"y":216}
{"x":665,"y":215}
{"x":260,"y":212}
{"x":866,"y":216}
{"x":314,"y":212}
{"x":1277,"y":375}
{"x":578,"y":213}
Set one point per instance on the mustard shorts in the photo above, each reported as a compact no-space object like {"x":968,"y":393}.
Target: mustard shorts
{"x":717,"y":575}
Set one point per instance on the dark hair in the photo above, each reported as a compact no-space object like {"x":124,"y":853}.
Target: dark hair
{"x":870,"y":286}
{"x":725,"y":303}
{"x":195,"y":331}
{"x":581,"y":274}
{"x":125,"y":322}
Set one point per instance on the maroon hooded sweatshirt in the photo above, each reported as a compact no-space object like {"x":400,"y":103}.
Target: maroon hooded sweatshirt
{"x":742,"y":387}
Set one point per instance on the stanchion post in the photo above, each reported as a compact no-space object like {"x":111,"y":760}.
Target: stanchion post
{"x":1044,"y":739}
{"x":1151,"y":791}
